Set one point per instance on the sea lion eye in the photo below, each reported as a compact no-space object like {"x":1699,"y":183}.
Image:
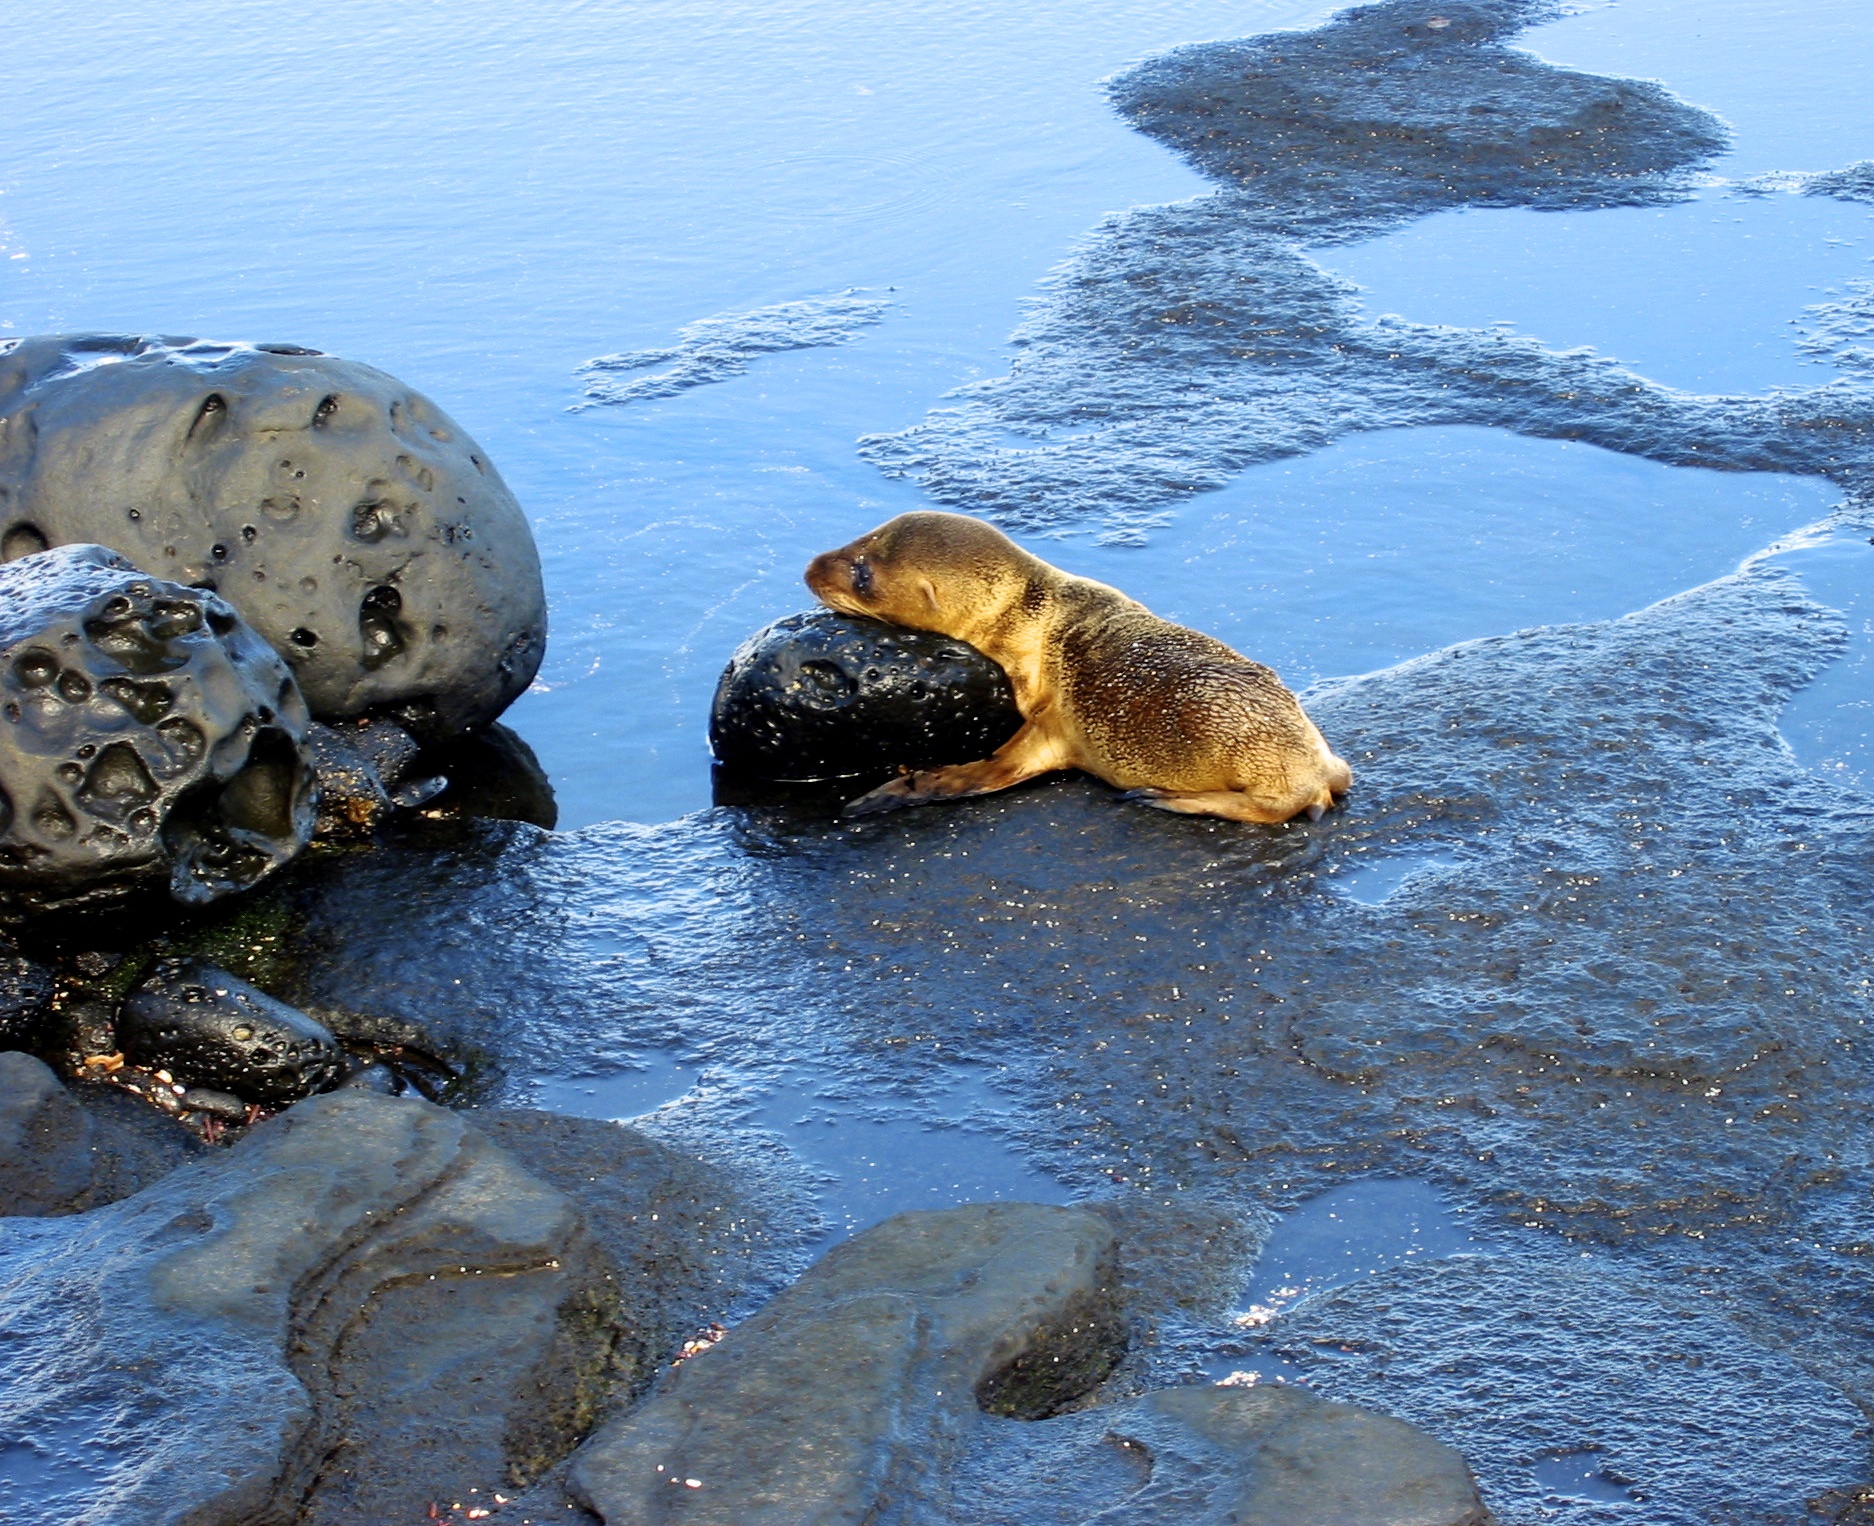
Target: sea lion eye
{"x":861,"y":576}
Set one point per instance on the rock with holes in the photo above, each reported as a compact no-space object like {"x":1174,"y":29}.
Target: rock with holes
{"x":829,"y":696}
{"x":858,"y":1383}
{"x":146,"y":735}
{"x":362,"y":1308}
{"x":208,"y":1028}
{"x":352,"y":524}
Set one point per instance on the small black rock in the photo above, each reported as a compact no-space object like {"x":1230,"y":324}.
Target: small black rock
{"x":208,"y":1028}
{"x":491,"y":773}
{"x":224,"y":1106}
{"x":829,"y":696}
{"x":25,"y":990}
{"x":373,"y":1076}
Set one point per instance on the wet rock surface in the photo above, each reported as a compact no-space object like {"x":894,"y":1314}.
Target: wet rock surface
{"x":45,"y":1140}
{"x":491,"y":774}
{"x":211,"y":1030}
{"x":686,"y":1237}
{"x":146,"y":734}
{"x":841,"y":1397}
{"x":83,"y":1145}
{"x":1209,"y":1456}
{"x":385,"y":1308}
{"x":348,"y":519}
{"x":829,"y":696}
{"x":25,"y":989}
{"x":1518,"y":1363}
{"x":1617,"y":1009}
{"x":365,"y":772}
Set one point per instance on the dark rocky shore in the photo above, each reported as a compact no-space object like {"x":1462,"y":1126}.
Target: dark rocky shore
{"x":284,"y":1240}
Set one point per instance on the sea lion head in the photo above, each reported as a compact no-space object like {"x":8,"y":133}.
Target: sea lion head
{"x":927,"y":570}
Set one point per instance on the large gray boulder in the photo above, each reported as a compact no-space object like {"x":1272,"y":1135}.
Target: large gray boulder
{"x":348,"y":519}
{"x":849,"y":1389}
{"x":146,"y":734}
{"x":362,"y":1308}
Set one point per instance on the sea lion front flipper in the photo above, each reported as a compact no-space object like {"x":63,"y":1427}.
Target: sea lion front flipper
{"x":1031,"y":751}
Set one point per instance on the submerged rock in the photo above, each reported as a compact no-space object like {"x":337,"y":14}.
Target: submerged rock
{"x":1215,"y":1456}
{"x":829,"y":696}
{"x":1274,"y":1456}
{"x":1519,"y":1362}
{"x":146,"y":734}
{"x":351,"y":522}
{"x":361,"y":1309}
{"x":860,"y":1378}
{"x":1389,"y":107}
{"x":210,"y":1029}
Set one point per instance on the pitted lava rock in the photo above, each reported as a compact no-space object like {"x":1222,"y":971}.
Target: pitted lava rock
{"x":208,"y":1028}
{"x":146,"y":733}
{"x":351,"y":522}
{"x":829,"y":696}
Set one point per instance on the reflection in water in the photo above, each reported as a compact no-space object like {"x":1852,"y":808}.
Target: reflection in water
{"x":1581,"y":1475}
{"x":654,"y":1081}
{"x":1387,"y":545}
{"x":874,"y":1167}
{"x":1830,"y":724}
{"x":1373,"y":883}
{"x":1354,"y":1231}
{"x":1698,"y":296}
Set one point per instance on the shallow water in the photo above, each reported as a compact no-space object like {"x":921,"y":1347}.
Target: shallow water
{"x":483,"y":200}
{"x":860,"y":1167}
{"x":1329,"y":1241}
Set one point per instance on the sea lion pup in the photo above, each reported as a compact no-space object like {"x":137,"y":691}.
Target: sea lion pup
{"x":1169,"y":715}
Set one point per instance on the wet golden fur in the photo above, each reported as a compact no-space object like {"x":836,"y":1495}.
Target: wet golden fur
{"x":1167,"y":714}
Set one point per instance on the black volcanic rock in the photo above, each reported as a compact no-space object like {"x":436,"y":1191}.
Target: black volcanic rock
{"x":146,"y":733}
{"x":349,"y":520}
{"x":208,"y":1028}
{"x":829,"y":696}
